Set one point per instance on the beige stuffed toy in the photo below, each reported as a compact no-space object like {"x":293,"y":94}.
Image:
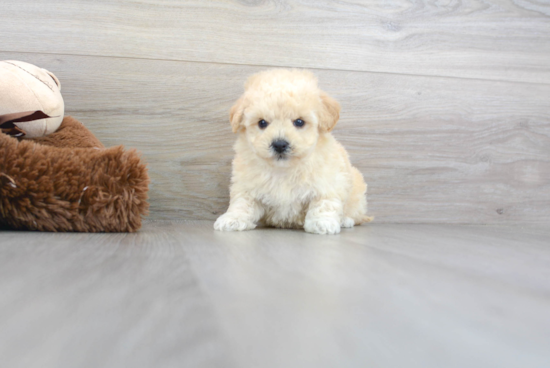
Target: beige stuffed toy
{"x":31,"y":105}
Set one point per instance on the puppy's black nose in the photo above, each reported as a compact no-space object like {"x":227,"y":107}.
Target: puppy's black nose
{"x":280,"y":145}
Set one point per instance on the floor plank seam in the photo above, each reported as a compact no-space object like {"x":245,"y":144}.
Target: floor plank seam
{"x":280,"y":66}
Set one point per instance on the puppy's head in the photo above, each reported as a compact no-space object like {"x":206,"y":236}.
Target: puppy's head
{"x":283,"y":113}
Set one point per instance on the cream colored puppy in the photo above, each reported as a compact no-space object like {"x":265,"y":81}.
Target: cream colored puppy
{"x":288,"y":170}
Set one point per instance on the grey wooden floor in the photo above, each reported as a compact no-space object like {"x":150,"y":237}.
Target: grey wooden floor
{"x":182,"y":295}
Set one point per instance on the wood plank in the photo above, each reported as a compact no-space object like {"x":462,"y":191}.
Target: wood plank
{"x":488,"y":39}
{"x":104,"y":300}
{"x":182,"y":295}
{"x":379,"y":295}
{"x":432,"y":149}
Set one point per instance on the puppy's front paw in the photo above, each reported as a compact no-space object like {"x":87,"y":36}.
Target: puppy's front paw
{"x":322,"y":226}
{"x":231,"y":222}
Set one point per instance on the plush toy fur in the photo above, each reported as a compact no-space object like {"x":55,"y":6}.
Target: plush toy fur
{"x":68,"y":181}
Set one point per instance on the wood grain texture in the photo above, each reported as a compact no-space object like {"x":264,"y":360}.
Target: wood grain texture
{"x":182,"y":295}
{"x":432,"y":149}
{"x":488,"y":39}
{"x":117,"y":300}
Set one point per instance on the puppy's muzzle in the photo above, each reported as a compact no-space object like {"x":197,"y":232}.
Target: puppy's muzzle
{"x":280,"y":146}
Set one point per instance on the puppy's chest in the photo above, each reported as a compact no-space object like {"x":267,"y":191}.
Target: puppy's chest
{"x":285,"y":202}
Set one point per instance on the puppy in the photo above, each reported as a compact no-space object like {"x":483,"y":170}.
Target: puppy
{"x":289,"y":171}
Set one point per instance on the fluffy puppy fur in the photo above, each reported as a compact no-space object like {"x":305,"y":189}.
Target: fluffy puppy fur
{"x":289,"y":171}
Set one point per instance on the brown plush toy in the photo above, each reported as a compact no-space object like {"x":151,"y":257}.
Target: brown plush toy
{"x":66,"y":180}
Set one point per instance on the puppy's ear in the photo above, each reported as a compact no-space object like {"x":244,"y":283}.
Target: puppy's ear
{"x":330,"y":112}
{"x":236,"y":114}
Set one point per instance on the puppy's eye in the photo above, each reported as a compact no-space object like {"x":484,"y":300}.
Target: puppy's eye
{"x":263,"y":124}
{"x":299,"y":123}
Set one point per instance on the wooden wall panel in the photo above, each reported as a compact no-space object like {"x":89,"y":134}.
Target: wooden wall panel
{"x":433,"y":149}
{"x":487,"y":39}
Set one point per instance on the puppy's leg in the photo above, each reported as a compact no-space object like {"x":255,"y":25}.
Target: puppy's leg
{"x":243,"y":214}
{"x":324,"y":216}
{"x":347,"y":222}
{"x":355,"y":210}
